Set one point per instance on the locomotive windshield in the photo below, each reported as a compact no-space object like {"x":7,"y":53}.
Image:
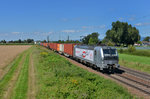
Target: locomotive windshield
{"x":109,"y":52}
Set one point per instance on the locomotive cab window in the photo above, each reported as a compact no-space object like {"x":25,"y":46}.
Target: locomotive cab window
{"x":95,"y":52}
{"x":109,"y":52}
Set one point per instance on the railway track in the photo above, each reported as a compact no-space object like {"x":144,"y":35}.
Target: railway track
{"x":135,"y":79}
{"x":136,"y":73}
{"x":141,"y":87}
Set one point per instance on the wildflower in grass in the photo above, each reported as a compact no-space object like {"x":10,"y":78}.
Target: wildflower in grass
{"x":44,"y":54}
{"x":74,"y":82}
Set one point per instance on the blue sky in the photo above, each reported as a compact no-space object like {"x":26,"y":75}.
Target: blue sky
{"x":37,"y":19}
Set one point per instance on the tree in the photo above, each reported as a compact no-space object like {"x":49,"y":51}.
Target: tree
{"x":147,"y":38}
{"x":19,"y":41}
{"x":3,"y":41}
{"x":86,"y":39}
{"x":44,"y":41}
{"x":30,"y":40}
{"x":139,"y":42}
{"x":91,"y":39}
{"x":122,"y":33}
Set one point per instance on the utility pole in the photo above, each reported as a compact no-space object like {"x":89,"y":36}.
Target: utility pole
{"x":59,"y":37}
{"x":48,"y":39}
{"x":68,"y":37}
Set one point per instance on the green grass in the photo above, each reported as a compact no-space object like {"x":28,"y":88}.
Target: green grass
{"x":141,"y":52}
{"x":141,"y":63}
{"x":134,"y":58}
{"x":59,"y":79}
{"x":21,"y":87}
{"x":5,"y":80}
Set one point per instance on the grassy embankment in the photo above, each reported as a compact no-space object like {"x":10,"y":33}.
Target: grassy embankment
{"x":138,"y":60}
{"x":58,"y":78}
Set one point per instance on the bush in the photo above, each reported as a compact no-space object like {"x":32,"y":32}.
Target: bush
{"x":110,"y":43}
{"x":131,"y":49}
{"x":121,"y":50}
{"x":142,"y":53}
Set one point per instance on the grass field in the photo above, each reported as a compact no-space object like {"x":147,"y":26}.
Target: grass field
{"x":52,"y":76}
{"x":141,"y":63}
{"x":58,"y":78}
{"x":138,"y":52}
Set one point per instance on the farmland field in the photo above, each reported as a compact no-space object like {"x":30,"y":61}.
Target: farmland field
{"x":140,"y":63}
{"x":38,"y":73}
{"x":7,"y":54}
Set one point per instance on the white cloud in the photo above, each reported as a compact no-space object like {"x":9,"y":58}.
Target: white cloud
{"x":46,"y":33}
{"x":94,"y":27}
{"x":64,"y":19}
{"x":142,"y":24}
{"x":132,"y":19}
{"x":121,"y":19}
{"x":138,"y":24}
{"x":16,"y":32}
{"x":69,"y":31}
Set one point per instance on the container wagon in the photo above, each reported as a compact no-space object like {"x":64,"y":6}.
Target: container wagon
{"x":53,"y":46}
{"x":68,"y":49}
{"x":61,"y":48}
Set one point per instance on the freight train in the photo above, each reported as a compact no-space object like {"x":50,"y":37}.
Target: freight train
{"x":100,"y":57}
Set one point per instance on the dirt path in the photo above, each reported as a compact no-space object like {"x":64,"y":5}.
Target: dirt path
{"x":7,"y":55}
{"x":31,"y":83}
{"x":9,"y":89}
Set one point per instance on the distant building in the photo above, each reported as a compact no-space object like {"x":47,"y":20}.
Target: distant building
{"x":145,"y":43}
{"x":37,"y":42}
{"x":136,"y":44}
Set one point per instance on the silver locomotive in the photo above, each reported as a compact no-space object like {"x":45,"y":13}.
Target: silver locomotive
{"x":101,"y":57}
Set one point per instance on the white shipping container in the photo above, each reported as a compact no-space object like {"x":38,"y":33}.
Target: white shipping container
{"x":85,"y":54}
{"x":61,"y":46}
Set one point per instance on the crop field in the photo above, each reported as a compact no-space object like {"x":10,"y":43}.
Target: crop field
{"x":141,"y":63}
{"x":7,"y":54}
{"x":38,"y":73}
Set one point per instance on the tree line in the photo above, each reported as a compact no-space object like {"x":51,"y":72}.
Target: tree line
{"x":18,"y":41}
